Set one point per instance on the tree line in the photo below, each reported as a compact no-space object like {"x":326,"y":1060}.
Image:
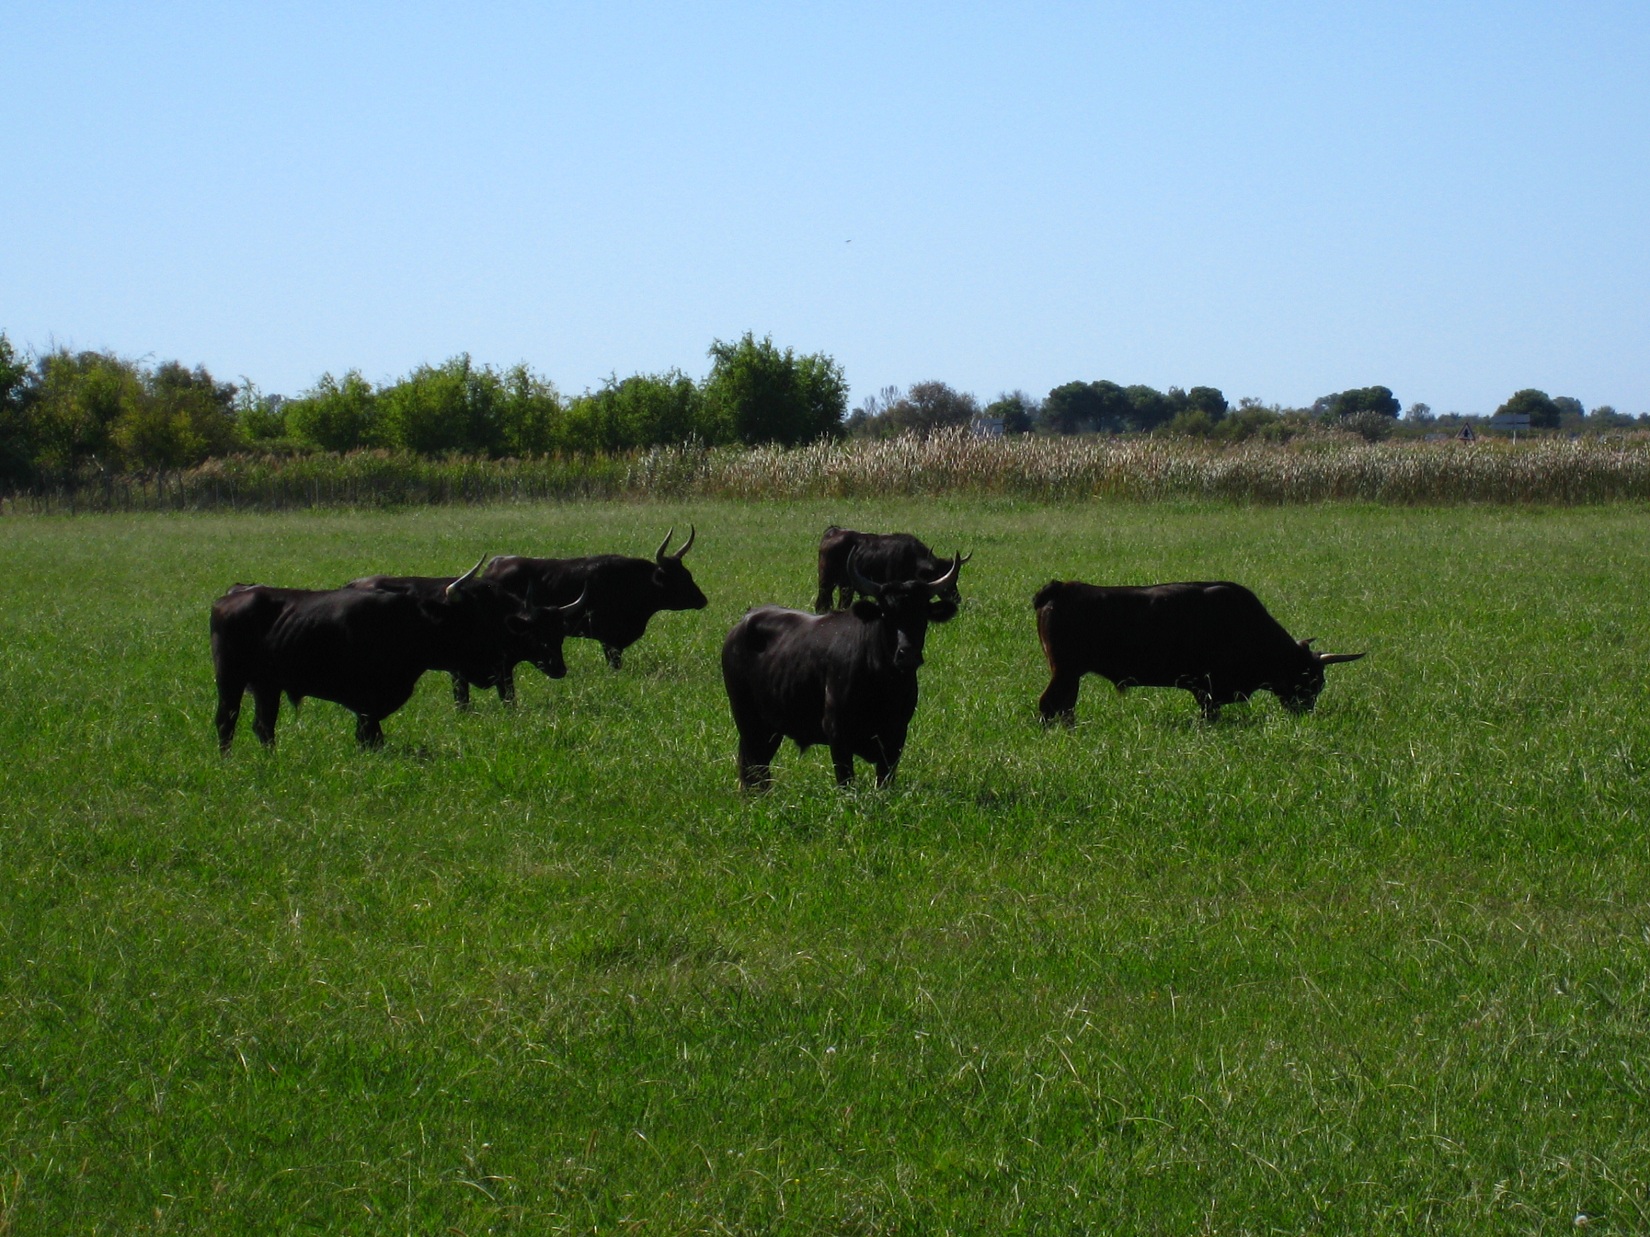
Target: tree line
{"x":64,"y":412}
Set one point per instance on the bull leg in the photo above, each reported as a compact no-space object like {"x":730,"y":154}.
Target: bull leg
{"x":1059,"y":699}
{"x":615,"y":655}
{"x":266,"y":708}
{"x":887,"y":760}
{"x":822,"y":599}
{"x":229,"y":711}
{"x":842,"y":761}
{"x":507,"y":686}
{"x":461,"y":690}
{"x":755,"y":755}
{"x":1209,"y":704}
{"x":368,"y":731}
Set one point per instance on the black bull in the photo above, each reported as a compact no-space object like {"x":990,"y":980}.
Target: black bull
{"x":1214,"y":639}
{"x":621,"y":593}
{"x":847,"y":679}
{"x":878,"y":557}
{"x":366,"y":649}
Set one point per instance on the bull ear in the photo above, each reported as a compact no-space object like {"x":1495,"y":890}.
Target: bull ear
{"x":941,"y":610}
{"x":1331,"y":659}
{"x":866,"y":611}
{"x":1306,"y":643}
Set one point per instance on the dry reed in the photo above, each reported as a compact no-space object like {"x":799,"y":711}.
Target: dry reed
{"x":1545,"y":471}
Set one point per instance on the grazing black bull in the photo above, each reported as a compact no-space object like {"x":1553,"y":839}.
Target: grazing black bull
{"x":879,"y":558}
{"x":621,"y":593}
{"x":1215,"y":640}
{"x":847,"y":679}
{"x":365,"y":649}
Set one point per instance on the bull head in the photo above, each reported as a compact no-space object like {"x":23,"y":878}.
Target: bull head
{"x":672,"y":579}
{"x":1302,"y":694}
{"x":543,"y":628}
{"x":907,"y":606}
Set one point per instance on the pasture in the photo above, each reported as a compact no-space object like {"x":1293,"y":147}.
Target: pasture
{"x":1381,"y":968}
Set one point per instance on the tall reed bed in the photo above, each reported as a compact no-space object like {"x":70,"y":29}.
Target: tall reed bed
{"x":1560,"y":472}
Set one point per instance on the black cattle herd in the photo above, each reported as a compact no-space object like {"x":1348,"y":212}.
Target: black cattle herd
{"x":845,"y":676}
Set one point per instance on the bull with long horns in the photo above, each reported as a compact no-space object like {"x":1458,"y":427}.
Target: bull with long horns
{"x":623,"y":593}
{"x":366,"y":648}
{"x":847,"y":679}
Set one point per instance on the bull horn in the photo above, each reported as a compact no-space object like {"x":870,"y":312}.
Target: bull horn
{"x":965,"y":558}
{"x":686,"y":545}
{"x":860,"y":583}
{"x":659,"y":554}
{"x":465,"y":578}
{"x":1331,"y":659}
{"x":949,"y":579}
{"x":571,"y":610}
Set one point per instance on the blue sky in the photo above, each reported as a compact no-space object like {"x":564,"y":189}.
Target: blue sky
{"x":1280,"y":200}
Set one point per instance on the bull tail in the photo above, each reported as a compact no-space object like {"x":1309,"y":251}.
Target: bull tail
{"x":1044,"y":621}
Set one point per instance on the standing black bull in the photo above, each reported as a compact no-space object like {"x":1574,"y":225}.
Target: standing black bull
{"x":879,"y":558}
{"x":1215,"y":640}
{"x":366,"y":649}
{"x":621,"y":593}
{"x":848,"y":679}
{"x":501,"y":675}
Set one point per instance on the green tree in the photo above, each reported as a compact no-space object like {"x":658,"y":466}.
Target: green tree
{"x":1537,"y":405}
{"x":80,"y":398}
{"x":1017,"y":411}
{"x":17,"y":445}
{"x":442,"y":408}
{"x":1148,"y":407}
{"x":532,"y":413}
{"x":179,"y":417}
{"x":1570,"y":410}
{"x":755,"y":393}
{"x":1078,"y":407}
{"x":644,"y":410}
{"x":930,"y":406}
{"x":259,"y":418}
{"x":1190,"y":423}
{"x":1207,"y":400}
{"x":338,"y":415}
{"x":1343,"y":404}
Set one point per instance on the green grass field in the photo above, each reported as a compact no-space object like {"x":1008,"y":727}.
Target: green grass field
{"x":1383,"y":968}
